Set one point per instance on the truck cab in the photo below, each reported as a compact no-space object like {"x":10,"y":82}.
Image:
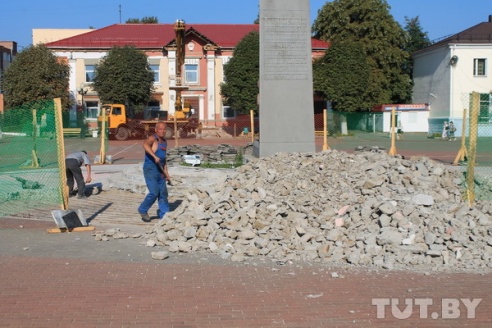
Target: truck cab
{"x":115,"y":114}
{"x":119,"y":125}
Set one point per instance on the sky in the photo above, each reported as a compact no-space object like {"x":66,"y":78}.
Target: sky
{"x":18,"y":18}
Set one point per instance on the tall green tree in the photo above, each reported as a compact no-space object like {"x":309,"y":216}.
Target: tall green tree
{"x":241,"y":75}
{"x":124,"y":77}
{"x":416,"y":39}
{"x":370,"y":23}
{"x":36,"y":74}
{"x":342,"y":76}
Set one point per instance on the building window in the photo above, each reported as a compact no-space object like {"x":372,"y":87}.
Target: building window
{"x":89,"y":73}
{"x":191,"y":73}
{"x":7,"y":58}
{"x":91,"y":109}
{"x":155,"y":70}
{"x":485,"y":109}
{"x":228,"y":112}
{"x":479,"y":67}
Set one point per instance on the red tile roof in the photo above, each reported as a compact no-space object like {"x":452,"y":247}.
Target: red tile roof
{"x":156,"y":36}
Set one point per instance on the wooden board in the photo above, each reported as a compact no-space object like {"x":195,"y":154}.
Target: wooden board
{"x":78,"y":229}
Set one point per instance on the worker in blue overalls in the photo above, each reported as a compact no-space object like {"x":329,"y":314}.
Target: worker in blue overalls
{"x":155,"y":173}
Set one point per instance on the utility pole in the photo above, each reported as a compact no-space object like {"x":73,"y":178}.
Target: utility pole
{"x":179,"y":28}
{"x":120,"y":13}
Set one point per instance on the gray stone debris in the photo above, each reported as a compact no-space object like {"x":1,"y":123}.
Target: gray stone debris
{"x":222,"y":153}
{"x":363,"y":209}
{"x":161,"y":255}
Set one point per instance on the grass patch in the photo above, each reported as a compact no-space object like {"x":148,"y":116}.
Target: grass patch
{"x":435,"y":135}
{"x":340,"y":135}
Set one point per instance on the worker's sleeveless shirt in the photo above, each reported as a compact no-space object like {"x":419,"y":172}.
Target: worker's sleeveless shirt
{"x":160,"y":152}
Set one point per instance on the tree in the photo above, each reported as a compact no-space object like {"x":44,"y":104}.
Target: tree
{"x":36,"y":74}
{"x":241,"y":75}
{"x":342,"y":76}
{"x":416,"y":39}
{"x":370,"y":23}
{"x":144,"y":20}
{"x":124,"y":77}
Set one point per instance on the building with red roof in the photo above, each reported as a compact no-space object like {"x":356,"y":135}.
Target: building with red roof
{"x":207,"y":48}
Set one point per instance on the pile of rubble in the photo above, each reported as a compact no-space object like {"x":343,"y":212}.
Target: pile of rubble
{"x":363,"y":209}
{"x":223,"y":153}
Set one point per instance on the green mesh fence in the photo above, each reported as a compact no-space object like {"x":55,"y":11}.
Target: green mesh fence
{"x":336,"y":122}
{"x":477,"y":152}
{"x":29,"y":169}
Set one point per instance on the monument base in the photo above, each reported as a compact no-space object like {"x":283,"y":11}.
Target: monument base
{"x":264,"y":149}
{"x":256,"y":148}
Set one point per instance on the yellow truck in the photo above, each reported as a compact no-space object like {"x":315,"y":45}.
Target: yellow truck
{"x":122,"y":127}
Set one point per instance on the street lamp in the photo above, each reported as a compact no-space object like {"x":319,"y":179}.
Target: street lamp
{"x":81,"y":116}
{"x":82,"y":91}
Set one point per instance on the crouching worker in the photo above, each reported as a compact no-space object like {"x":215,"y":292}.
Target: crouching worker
{"x":73,"y":163}
{"x":155,"y":173}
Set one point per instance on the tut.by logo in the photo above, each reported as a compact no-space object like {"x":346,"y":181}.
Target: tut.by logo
{"x":450,"y":307}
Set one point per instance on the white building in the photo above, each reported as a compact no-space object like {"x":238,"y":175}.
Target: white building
{"x":447,"y":72}
{"x":408,"y":117}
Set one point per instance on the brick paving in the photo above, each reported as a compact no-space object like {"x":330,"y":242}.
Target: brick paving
{"x":71,"y":280}
{"x":49,"y":291}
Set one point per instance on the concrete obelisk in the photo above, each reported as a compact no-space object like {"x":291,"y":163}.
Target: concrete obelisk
{"x":286,"y":86}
